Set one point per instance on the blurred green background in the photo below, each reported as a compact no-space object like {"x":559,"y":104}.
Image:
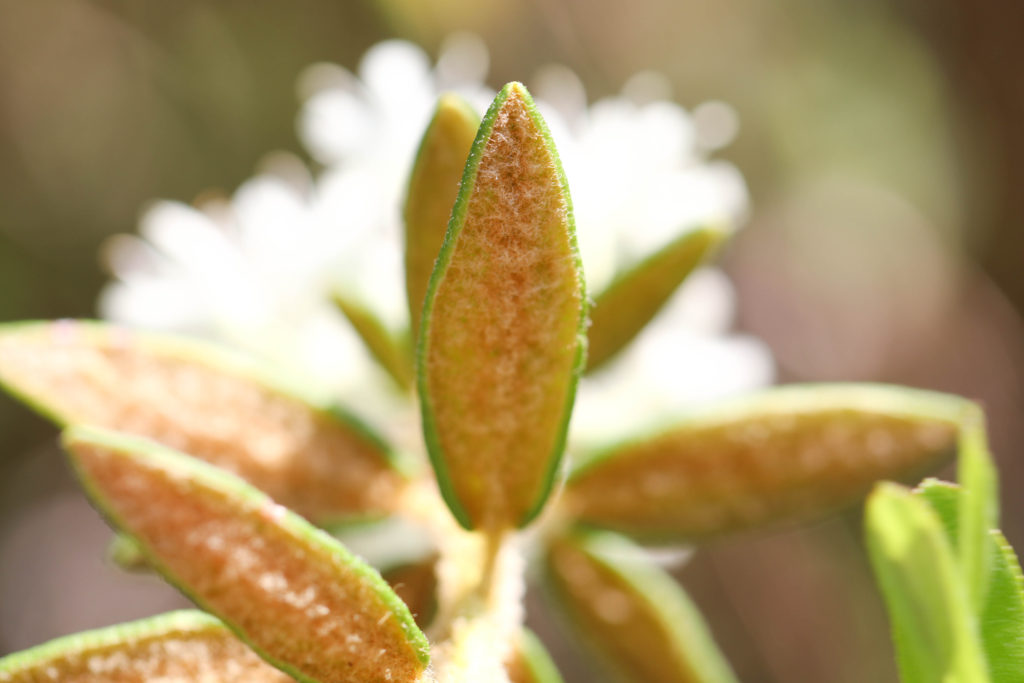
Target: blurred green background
{"x":881,"y":141}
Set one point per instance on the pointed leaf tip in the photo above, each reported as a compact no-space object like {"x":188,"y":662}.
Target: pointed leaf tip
{"x":936,"y":634}
{"x":433,"y":187}
{"x":288,"y":589}
{"x":501,"y":342}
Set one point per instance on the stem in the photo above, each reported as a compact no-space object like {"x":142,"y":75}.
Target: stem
{"x":480,"y":589}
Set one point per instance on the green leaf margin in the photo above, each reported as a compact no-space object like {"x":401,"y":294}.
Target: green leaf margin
{"x":455,"y":224}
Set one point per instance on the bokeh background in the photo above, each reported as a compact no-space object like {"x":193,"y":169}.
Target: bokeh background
{"x":881,"y":141}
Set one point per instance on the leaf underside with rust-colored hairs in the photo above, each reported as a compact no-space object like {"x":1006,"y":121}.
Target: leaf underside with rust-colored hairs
{"x":635,"y":617}
{"x":501,"y":342}
{"x":531,"y":662}
{"x":1002,"y":616}
{"x":205,"y":402}
{"x":433,"y":186}
{"x":179,"y":647}
{"x":288,"y":589}
{"x":635,"y":297}
{"x":786,"y":455}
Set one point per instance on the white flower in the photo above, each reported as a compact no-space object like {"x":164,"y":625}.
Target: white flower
{"x":258,"y":271}
{"x":255,"y":272}
{"x":639,"y":177}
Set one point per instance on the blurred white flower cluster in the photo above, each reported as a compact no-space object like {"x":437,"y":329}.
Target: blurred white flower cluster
{"x":258,"y":271}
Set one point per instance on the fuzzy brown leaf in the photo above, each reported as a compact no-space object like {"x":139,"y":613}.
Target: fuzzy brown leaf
{"x":787,"y":455}
{"x":207,"y":403}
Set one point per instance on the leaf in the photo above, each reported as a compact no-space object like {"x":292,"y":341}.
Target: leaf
{"x":978,"y":507}
{"x":1002,"y":617}
{"x":205,"y":402}
{"x":501,"y":344}
{"x":179,"y":647}
{"x":936,"y":633}
{"x":531,"y":662}
{"x":433,"y":186}
{"x":390,"y":351}
{"x":635,"y":297}
{"x":292,"y":592}
{"x":1002,"y":620}
{"x":787,"y":454}
{"x":633,"y":615}
{"x":403,"y":548}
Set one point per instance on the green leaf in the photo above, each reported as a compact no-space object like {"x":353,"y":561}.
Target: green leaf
{"x":1002,"y":617}
{"x":392,"y":352}
{"x":502,"y":336}
{"x":433,"y":186}
{"x":935,"y":631}
{"x":635,"y":617}
{"x":216,"y":406}
{"x":784,"y":455}
{"x":978,"y":508}
{"x":531,"y":662}
{"x":179,"y":647}
{"x":296,"y":595}
{"x":622,"y":310}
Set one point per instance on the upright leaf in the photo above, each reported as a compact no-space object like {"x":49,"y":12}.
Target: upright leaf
{"x":978,"y":508}
{"x":208,"y":403}
{"x":288,"y":589}
{"x":635,"y":297}
{"x":433,"y":186}
{"x":636,"y":617}
{"x":1002,"y":617}
{"x":179,"y":647}
{"x":789,"y":454}
{"x":501,"y":341}
{"x":936,"y":633}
